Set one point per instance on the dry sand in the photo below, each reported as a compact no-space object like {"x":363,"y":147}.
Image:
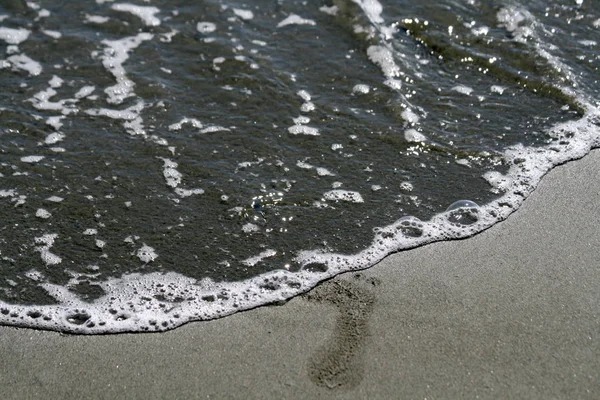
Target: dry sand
{"x":510,"y":313}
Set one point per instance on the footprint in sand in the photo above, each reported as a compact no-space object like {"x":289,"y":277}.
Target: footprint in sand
{"x":339,"y":363}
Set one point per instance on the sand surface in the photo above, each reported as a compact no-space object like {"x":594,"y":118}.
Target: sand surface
{"x":510,"y":313}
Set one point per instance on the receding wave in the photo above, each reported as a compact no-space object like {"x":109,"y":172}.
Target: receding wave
{"x":164,"y":163}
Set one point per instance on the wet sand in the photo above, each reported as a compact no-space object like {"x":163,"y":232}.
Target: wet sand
{"x":511,"y":313}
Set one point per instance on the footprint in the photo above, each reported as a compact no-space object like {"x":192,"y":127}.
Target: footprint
{"x":339,"y":363}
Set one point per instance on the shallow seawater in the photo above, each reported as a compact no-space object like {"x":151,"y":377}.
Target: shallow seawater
{"x":163,"y":162}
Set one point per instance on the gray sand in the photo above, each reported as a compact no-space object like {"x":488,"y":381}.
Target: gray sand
{"x":511,"y":313}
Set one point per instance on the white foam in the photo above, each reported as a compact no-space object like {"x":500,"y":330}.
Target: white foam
{"x":55,"y":199}
{"x":133,"y":122}
{"x":320,"y":170}
{"x":497,"y":89}
{"x":56,"y":123}
{"x":243,"y":14}
{"x":96,"y":19}
{"x":42,"y":213}
{"x":206,"y":27}
{"x":32,"y":159}
{"x":52,"y":34}
{"x":413,"y":136}
{"x":372,"y":9}
{"x":168,"y":36}
{"x":462,"y":89}
{"x":383,"y":57}
{"x":22,"y":62}
{"x":14,"y":36}
{"x":252,"y":261}
{"x":146,"y":254}
{"x":188,"y":192}
{"x":7,"y":193}
{"x":301,"y":120}
{"x":333,"y":10}
{"x":343,"y":195}
{"x":409,"y":116}
{"x":304,"y":95}
{"x":84,"y":92}
{"x":516,"y":20}
{"x":145,"y":13}
{"x":303,"y":130}
{"x":115,"y":55}
{"x":406,"y":186}
{"x":361,"y":88}
{"x":46,"y":242}
{"x":307,"y":107}
{"x":41,"y":100}
{"x":172,"y":176}
{"x":192,"y":121}
{"x":294,"y":19}
{"x":214,"y":128}
{"x":250,"y":228}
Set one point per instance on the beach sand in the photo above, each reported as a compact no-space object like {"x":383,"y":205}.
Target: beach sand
{"x":510,"y":313}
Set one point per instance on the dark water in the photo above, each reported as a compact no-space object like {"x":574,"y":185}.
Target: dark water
{"x":194,"y":158}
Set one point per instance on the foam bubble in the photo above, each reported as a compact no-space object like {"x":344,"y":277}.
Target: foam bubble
{"x":303,"y":130}
{"x":145,"y":13}
{"x":301,"y":120}
{"x":333,"y":10}
{"x":243,"y":14}
{"x":42,"y":213}
{"x":304,"y":95}
{"x":409,"y":116}
{"x":214,"y":128}
{"x":413,"y":136}
{"x":206,"y":27}
{"x":23,"y":62}
{"x":47,"y":241}
{"x":294,"y":19}
{"x":462,"y":89}
{"x":250,"y":228}
{"x":383,"y":57}
{"x":32,"y":159}
{"x":361,"y":88}
{"x":497,"y":89}
{"x":55,"y":199}
{"x":52,"y":34}
{"x":463,"y":212}
{"x":115,"y":55}
{"x":96,"y":19}
{"x":54,"y":137}
{"x":146,"y":254}
{"x":307,"y":107}
{"x":188,"y":192}
{"x":14,"y":36}
{"x":191,"y":121}
{"x":84,"y":92}
{"x":252,"y":261}
{"x":343,"y":195}
{"x":480,"y":31}
{"x":372,"y":9}
{"x":172,"y":176}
